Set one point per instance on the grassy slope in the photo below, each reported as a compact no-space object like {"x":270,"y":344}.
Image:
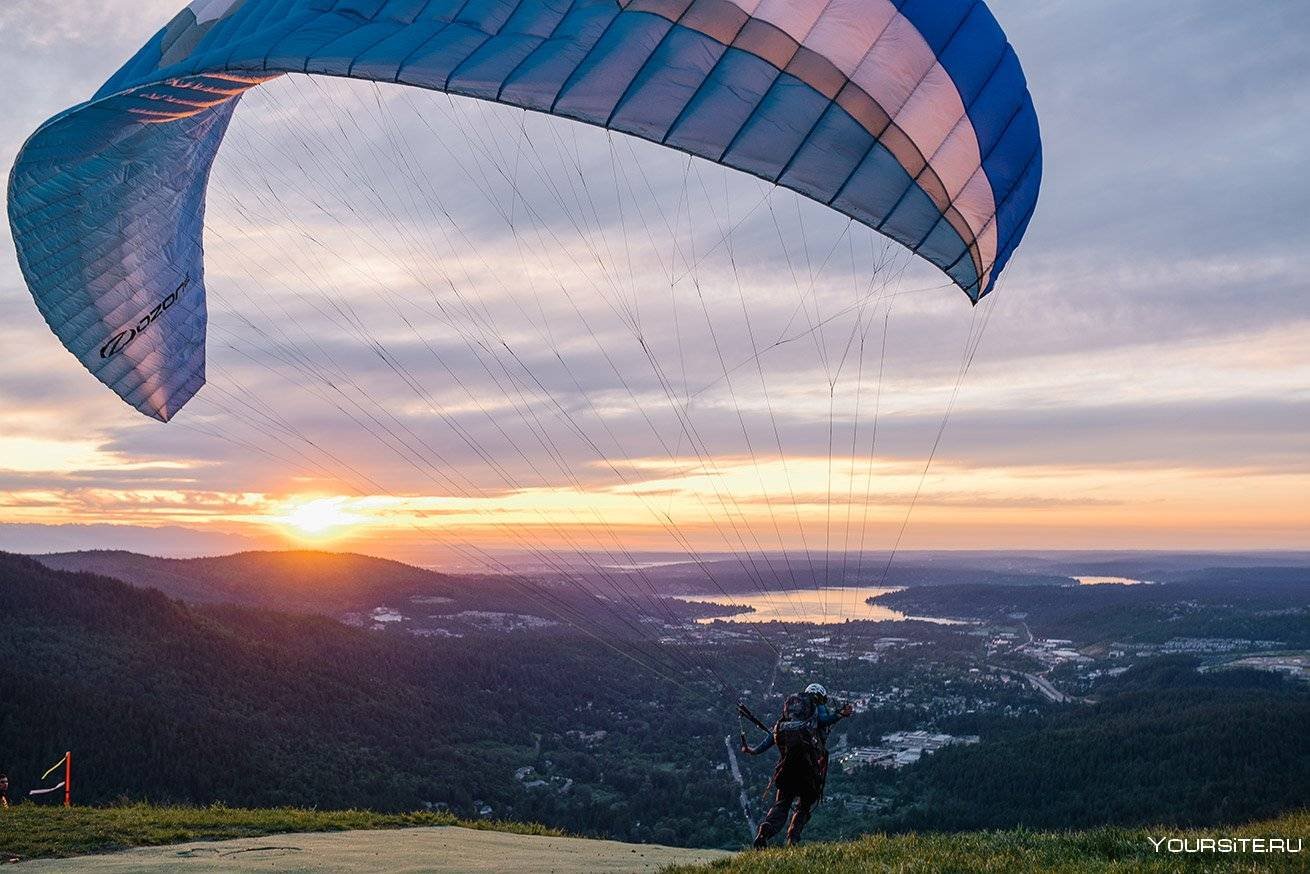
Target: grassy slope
{"x":40,"y":831}
{"x":1096,"y":850}
{"x":33,"y":831}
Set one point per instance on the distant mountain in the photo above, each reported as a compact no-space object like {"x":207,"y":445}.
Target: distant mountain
{"x":1248,"y":603}
{"x":341,"y":584}
{"x":376,"y":592}
{"x":295,"y":581}
{"x":751,"y":574}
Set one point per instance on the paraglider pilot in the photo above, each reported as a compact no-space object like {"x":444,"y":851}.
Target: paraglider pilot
{"x":801,"y":736}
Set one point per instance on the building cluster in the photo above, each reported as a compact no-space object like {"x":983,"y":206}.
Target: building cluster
{"x":899,"y":749}
{"x":1296,"y":666}
{"x":490,"y":620}
{"x":996,"y":640}
{"x":531,"y":779}
{"x":1053,"y":652}
{"x":697,"y":634}
{"x":1201,"y":646}
{"x":428,"y":624}
{"x":824,"y":648}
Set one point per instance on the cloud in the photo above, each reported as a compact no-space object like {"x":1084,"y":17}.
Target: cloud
{"x":441,"y":299}
{"x":170,"y":541}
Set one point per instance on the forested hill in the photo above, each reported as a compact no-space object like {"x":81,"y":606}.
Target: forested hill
{"x":166,"y":701}
{"x":355,"y":587}
{"x":1253,"y":603}
{"x":297,"y":580}
{"x":336,"y":584}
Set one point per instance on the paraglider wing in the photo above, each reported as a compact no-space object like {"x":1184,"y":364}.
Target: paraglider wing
{"x":910,"y":116}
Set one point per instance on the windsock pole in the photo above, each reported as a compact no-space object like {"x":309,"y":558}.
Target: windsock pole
{"x":67,"y":762}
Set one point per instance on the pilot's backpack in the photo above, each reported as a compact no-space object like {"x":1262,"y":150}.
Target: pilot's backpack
{"x":797,"y":729}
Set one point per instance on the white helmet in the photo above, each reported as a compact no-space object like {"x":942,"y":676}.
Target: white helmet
{"x":817,"y":690}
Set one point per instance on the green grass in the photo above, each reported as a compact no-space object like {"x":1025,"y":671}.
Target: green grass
{"x":1015,"y":852}
{"x":33,"y":831}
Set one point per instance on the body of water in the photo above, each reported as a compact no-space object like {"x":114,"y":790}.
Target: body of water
{"x":823,"y":606}
{"x":1108,"y":581}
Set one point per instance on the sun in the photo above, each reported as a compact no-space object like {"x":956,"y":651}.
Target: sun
{"x":320,"y":516}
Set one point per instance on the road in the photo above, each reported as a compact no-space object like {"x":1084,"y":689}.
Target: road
{"x":1044,"y":686}
{"x":1038,"y":681}
{"x":741,"y":784}
{"x":402,"y":851}
{"x":1027,"y":643}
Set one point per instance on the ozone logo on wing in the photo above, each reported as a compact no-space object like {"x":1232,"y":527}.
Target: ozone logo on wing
{"x":119,"y":341}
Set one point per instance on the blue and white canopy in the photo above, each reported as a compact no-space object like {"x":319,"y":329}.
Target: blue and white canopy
{"x":910,"y":116}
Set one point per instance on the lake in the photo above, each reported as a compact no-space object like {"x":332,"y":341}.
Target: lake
{"x":1108,"y":581}
{"x":823,"y":606}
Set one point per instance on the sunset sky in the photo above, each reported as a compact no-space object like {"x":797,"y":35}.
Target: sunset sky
{"x":439,"y":329}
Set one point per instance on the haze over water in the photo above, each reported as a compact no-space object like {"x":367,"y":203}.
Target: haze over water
{"x":1109,"y":581}
{"x":822,"y":606}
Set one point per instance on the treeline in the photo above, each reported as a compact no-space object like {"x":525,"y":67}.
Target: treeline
{"x":166,"y":701}
{"x":338,"y":585}
{"x":1164,"y":745}
{"x":170,"y":702}
{"x":1252,"y":603}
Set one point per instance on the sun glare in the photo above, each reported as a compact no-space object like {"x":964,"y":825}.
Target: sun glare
{"x":320,"y":516}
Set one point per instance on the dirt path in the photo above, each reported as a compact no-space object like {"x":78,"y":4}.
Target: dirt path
{"x":741,"y":786}
{"x":406,"y":850}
